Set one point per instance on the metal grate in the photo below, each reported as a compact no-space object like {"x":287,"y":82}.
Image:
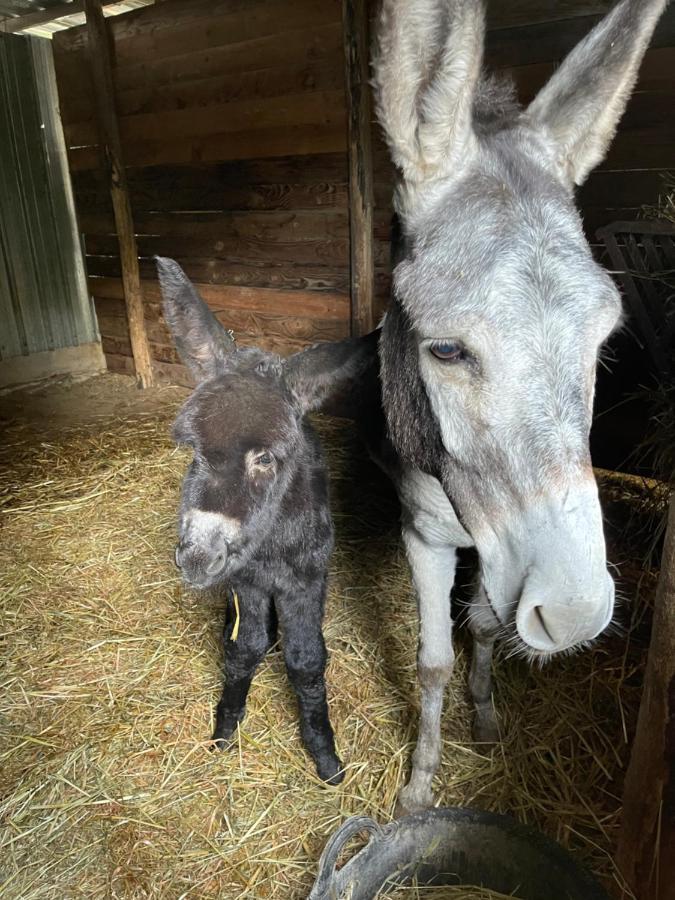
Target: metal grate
{"x":642,"y":255}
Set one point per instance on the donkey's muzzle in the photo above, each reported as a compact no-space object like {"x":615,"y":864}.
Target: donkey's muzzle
{"x":553,"y":624}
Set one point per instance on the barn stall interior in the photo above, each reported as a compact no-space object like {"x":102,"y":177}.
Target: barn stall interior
{"x":239,"y":139}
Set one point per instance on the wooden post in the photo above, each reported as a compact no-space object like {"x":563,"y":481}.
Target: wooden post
{"x":102,"y":76}
{"x":646,"y":851}
{"x":355,"y":31}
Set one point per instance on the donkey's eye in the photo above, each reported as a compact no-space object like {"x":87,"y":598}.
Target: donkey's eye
{"x":264,"y":459}
{"x":448,"y":351}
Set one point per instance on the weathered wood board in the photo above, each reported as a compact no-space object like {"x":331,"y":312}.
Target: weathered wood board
{"x":233,"y":118}
{"x":233,"y":123}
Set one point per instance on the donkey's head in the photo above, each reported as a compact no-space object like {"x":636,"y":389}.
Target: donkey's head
{"x":244,"y":423}
{"x":499,"y":309}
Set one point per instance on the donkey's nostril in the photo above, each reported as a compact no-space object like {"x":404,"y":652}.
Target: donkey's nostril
{"x":542,"y":622}
{"x":536,"y":630}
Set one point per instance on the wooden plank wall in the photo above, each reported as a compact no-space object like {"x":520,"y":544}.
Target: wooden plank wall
{"x":234,"y":131}
{"x":232,"y":116}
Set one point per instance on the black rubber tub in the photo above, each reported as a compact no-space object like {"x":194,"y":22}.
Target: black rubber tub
{"x":452,"y":846}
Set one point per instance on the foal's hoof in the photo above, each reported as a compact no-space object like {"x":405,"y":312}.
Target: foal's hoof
{"x":221,"y":740}
{"x":224,"y":732}
{"x":411,"y":801}
{"x":329,"y":768}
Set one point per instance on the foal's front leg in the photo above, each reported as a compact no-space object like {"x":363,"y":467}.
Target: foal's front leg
{"x":242,"y":657}
{"x":433,"y":573}
{"x":300,"y":616}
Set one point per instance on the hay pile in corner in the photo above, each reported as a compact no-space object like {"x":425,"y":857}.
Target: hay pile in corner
{"x":111,"y":670}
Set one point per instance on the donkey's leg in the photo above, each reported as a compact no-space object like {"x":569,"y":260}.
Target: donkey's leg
{"x":242,"y":658}
{"x":300,"y":617}
{"x":433,"y":572}
{"x":484,"y":628}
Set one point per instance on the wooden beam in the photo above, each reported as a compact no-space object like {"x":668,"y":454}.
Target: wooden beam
{"x":102,"y":75}
{"x":646,"y":850}
{"x":359,"y":115}
{"x":43,"y":16}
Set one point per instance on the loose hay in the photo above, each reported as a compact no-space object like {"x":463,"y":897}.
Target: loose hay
{"x":111,"y":671}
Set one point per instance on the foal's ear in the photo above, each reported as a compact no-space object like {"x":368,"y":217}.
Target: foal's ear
{"x":426,"y":69}
{"x":202,"y":342}
{"x":580,"y":107}
{"x":320,"y":373}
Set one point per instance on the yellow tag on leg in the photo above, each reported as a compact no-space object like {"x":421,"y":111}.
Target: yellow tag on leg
{"x":235,"y":630}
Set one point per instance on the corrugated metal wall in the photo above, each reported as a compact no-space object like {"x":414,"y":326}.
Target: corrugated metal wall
{"x":44,"y":303}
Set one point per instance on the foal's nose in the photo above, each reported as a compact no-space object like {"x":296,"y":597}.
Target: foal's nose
{"x":217,"y":563}
{"x":179,"y":553}
{"x":196,"y":562}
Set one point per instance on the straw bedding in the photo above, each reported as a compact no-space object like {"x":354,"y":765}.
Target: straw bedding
{"x":111,"y":669}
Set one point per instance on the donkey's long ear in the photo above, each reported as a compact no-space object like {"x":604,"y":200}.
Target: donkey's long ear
{"x":331,"y":372}
{"x":426,"y":68}
{"x":202,"y":342}
{"x":581,"y":105}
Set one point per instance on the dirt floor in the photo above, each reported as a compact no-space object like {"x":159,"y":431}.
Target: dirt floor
{"x":64,"y":403}
{"x":111,"y":669}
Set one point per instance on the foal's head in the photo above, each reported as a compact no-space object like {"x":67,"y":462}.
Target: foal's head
{"x":499,"y":308}
{"x":243,"y":422}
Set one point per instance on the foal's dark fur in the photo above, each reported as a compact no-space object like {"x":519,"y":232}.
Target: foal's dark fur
{"x":254,"y":512}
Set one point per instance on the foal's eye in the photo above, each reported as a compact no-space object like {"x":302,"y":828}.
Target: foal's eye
{"x":448,"y":351}
{"x":264,"y":459}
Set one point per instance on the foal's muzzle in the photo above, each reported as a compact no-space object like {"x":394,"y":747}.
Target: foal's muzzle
{"x":200,"y":566}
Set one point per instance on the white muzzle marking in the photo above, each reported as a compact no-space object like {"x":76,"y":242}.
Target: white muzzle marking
{"x":201,"y":527}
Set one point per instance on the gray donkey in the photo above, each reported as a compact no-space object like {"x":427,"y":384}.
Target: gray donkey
{"x":489,"y":348}
{"x":254,"y":513}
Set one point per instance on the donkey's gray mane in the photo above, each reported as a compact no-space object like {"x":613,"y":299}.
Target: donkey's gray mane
{"x":495,"y":105}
